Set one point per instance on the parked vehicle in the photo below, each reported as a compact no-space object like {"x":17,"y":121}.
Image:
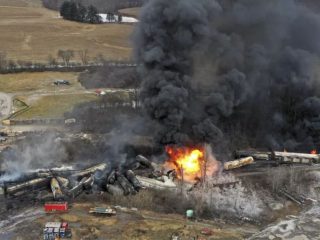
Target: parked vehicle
{"x":56,"y":230}
{"x":103,"y":211}
{"x":61,"y":82}
{"x":3,"y":134}
{"x":56,"y":207}
{"x":3,"y":139}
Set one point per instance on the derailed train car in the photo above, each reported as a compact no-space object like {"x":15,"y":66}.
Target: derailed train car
{"x":277,"y":158}
{"x":68,"y":184}
{"x":50,"y":180}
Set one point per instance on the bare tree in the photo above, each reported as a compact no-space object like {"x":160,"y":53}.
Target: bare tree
{"x":52,"y":61}
{"x":100,"y":58}
{"x":66,"y":56}
{"x":11,"y":65}
{"x":83,"y":54}
{"x":3,"y":60}
{"x":21,"y":63}
{"x":136,"y":97}
{"x":101,"y":5}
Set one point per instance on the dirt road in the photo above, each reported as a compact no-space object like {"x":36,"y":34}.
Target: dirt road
{"x":9,"y":224}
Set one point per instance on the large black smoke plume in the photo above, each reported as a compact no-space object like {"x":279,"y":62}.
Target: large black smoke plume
{"x":238,"y":70}
{"x":169,"y":33}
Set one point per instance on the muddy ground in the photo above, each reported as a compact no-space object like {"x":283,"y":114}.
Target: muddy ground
{"x":127,"y":224}
{"x":25,"y":221}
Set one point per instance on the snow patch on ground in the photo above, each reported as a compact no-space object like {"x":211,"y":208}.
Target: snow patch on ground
{"x":11,"y":222}
{"x":116,"y":17}
{"x":304,"y":226}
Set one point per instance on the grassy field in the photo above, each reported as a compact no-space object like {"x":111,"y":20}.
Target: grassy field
{"x":53,"y":106}
{"x":21,"y":3}
{"x":132,"y":12}
{"x":36,"y":94}
{"x":32,"y":33}
{"x":25,"y":82}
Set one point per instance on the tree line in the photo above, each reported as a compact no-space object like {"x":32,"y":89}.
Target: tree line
{"x":73,"y":11}
{"x":102,"y":5}
{"x":63,"y":60}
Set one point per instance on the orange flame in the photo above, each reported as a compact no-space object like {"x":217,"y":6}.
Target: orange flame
{"x":313,"y":151}
{"x":186,"y":161}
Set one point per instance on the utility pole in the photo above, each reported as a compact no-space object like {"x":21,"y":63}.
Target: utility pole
{"x":182,"y":178}
{"x":204,"y":163}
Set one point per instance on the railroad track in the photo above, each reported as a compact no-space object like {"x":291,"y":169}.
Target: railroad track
{"x":244,"y":172}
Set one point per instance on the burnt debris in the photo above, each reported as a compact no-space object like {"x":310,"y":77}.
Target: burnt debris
{"x":68,"y":184}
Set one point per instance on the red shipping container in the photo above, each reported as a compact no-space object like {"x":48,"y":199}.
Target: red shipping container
{"x":56,"y":207}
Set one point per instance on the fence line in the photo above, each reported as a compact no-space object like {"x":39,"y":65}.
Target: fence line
{"x":37,"y":67}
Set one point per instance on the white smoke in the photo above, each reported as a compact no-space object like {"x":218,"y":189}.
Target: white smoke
{"x":39,"y":152}
{"x":236,"y":199}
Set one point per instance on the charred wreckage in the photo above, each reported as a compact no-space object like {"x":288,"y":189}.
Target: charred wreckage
{"x":66,"y":184}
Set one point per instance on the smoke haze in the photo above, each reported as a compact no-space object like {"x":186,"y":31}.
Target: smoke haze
{"x":45,"y":151}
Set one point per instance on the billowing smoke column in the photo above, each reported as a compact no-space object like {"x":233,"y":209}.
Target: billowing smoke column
{"x":238,"y":70}
{"x":168,"y":34}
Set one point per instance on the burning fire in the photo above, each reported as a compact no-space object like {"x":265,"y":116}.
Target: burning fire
{"x":187,"y":161}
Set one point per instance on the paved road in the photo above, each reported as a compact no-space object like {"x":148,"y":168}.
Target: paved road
{"x":5,"y":105}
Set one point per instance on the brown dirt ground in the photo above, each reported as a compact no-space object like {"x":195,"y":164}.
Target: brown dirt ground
{"x":31,"y":33}
{"x":127,"y":225}
{"x":38,"y":81}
